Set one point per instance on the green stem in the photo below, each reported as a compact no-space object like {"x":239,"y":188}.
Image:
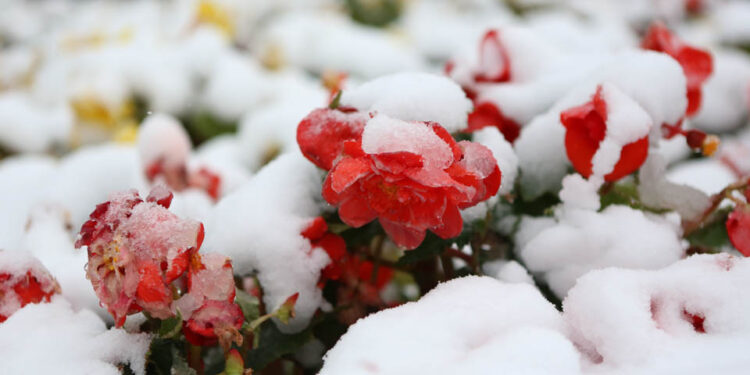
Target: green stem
{"x":377,"y":247}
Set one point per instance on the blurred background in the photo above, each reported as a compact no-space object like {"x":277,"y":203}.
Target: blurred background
{"x":80,"y":72}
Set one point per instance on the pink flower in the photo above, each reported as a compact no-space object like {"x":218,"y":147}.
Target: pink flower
{"x":136,"y":249}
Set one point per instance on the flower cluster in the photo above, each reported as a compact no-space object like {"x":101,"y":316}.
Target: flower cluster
{"x":23,"y":280}
{"x":359,"y":288}
{"x":411,"y":176}
{"x":139,"y":253}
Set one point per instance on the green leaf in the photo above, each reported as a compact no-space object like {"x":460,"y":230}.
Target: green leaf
{"x":159,"y":356}
{"x":249,"y":305}
{"x":714,"y":234}
{"x":273,"y":344}
{"x":203,"y":126}
{"x":430,"y":248}
{"x":170,"y":328}
{"x":234,"y":364}
{"x":537,"y":207}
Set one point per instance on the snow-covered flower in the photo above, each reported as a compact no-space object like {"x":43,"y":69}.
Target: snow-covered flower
{"x":211,"y":288}
{"x":412,"y":176}
{"x":23,"y":280}
{"x":587,"y":126}
{"x":697,"y":64}
{"x":136,"y":249}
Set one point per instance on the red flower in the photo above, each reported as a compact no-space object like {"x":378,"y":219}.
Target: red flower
{"x":322,"y":133}
{"x":211,"y":288}
{"x":696,"y":63}
{"x":487,"y":114}
{"x":179,"y":178}
{"x":319,"y":236}
{"x":416,"y":180}
{"x":22,"y":285}
{"x":494,"y":62}
{"x":213,"y":321}
{"x":738,"y":228}
{"x":586,"y":127}
{"x":135,"y":250}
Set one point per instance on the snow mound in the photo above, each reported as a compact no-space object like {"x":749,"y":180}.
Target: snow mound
{"x":51,"y":338}
{"x":259,"y":226}
{"x":413,"y":97}
{"x":484,"y":326}
{"x":690,"y":317}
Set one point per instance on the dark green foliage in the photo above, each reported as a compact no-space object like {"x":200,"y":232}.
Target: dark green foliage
{"x":374,"y":12}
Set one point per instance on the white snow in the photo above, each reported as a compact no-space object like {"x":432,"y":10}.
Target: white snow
{"x":259,"y":226}
{"x":635,"y":321}
{"x":413,"y":97}
{"x":583,"y":239}
{"x":52,"y":338}
{"x":482,"y":326}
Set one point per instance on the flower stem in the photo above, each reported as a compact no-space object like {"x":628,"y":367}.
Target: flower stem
{"x":691,"y":226}
{"x":195,"y":358}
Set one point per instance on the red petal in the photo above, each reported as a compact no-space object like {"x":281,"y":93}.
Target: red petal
{"x":316,"y":229}
{"x":452,"y":225}
{"x":161,"y":196}
{"x":487,"y":114}
{"x":585,"y":128}
{"x":491,"y":53}
{"x":697,"y":64}
{"x":402,"y":235}
{"x":355,"y":211}
{"x":738,"y":228}
{"x":632,"y":156}
{"x":347,"y":172}
{"x":322,"y":133}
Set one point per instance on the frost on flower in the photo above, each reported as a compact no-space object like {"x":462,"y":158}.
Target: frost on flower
{"x":687,"y":317}
{"x":473,"y":334}
{"x":136,"y":248}
{"x":23,"y":280}
{"x":211,"y":293}
{"x":412,"y":177}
